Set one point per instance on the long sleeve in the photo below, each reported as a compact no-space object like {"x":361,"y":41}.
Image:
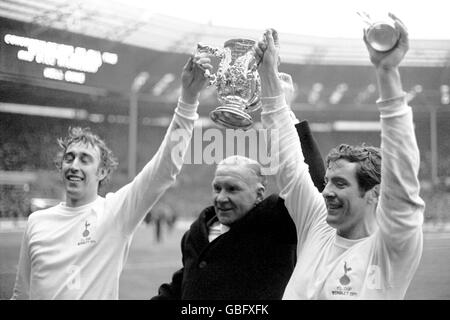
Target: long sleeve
{"x":134,"y":200}
{"x":302,"y":199}
{"x":311,"y":153}
{"x":22,"y":284}
{"x":400,"y":210}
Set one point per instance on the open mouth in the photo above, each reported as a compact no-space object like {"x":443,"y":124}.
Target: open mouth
{"x":74,"y":178}
{"x":333,"y":205}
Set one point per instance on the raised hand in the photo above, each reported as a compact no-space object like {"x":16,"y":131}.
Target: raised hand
{"x":193,"y":77}
{"x":267,"y":55}
{"x":392,"y":58}
{"x":267,"y":52}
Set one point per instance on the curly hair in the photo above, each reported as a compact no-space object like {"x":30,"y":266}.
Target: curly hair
{"x":368,"y":172}
{"x":85,"y":136}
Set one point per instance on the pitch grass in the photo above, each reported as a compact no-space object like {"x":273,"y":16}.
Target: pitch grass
{"x":151,"y":263}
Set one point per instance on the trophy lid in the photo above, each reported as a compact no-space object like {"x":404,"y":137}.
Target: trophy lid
{"x":239,"y":42}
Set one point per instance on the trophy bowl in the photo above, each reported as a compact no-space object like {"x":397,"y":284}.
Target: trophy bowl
{"x":237,"y":82}
{"x":380,"y":31}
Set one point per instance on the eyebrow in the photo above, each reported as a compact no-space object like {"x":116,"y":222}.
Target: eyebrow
{"x":82,"y":154}
{"x":226,"y":184}
{"x":334,"y":178}
{"x":339,"y":178}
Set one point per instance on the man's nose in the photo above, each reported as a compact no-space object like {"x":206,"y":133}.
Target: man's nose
{"x":75,"y":165}
{"x":222,"y":196}
{"x":328,"y":192}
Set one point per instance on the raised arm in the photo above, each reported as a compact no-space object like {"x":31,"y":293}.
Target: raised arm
{"x":303,"y":201}
{"x":310,"y":149}
{"x":400,"y":209}
{"x":137,"y":198}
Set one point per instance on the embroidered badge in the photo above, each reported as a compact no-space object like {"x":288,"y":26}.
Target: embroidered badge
{"x":345,"y":280}
{"x":344,"y":289}
{"x":86,"y":235}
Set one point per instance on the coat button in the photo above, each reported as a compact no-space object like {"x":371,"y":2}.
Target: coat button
{"x":202,"y":264}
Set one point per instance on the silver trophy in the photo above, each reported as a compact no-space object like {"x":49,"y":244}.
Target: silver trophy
{"x":381,"y":33}
{"x":237,"y":82}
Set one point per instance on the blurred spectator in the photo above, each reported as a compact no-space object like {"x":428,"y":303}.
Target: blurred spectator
{"x":161,"y":215}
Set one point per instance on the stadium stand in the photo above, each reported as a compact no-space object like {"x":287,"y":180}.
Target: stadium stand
{"x":332,"y":80}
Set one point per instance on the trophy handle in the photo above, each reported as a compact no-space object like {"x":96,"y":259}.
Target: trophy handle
{"x":211,"y":76}
{"x":365,"y":18}
{"x":216,"y":52}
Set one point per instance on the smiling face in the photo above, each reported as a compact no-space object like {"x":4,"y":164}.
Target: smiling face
{"x":81,"y":173}
{"x":348,"y":207}
{"x":236,"y":190}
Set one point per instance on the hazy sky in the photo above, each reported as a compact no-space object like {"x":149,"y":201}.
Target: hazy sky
{"x":425,"y":19}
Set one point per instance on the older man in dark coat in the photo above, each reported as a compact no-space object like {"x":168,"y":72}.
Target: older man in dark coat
{"x":244,"y":246}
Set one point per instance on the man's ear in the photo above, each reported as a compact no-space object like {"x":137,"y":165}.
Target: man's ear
{"x":260,"y":193}
{"x":102,"y":173}
{"x":373,"y":194}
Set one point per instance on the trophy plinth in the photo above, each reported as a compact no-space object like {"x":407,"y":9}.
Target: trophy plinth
{"x":229,"y":116}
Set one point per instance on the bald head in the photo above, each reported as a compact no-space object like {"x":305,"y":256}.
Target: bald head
{"x":243,"y":168}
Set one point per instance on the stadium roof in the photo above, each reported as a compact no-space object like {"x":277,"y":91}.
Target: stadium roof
{"x":130,"y":23}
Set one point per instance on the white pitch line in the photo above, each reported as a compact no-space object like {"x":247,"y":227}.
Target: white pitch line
{"x":437,"y":235}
